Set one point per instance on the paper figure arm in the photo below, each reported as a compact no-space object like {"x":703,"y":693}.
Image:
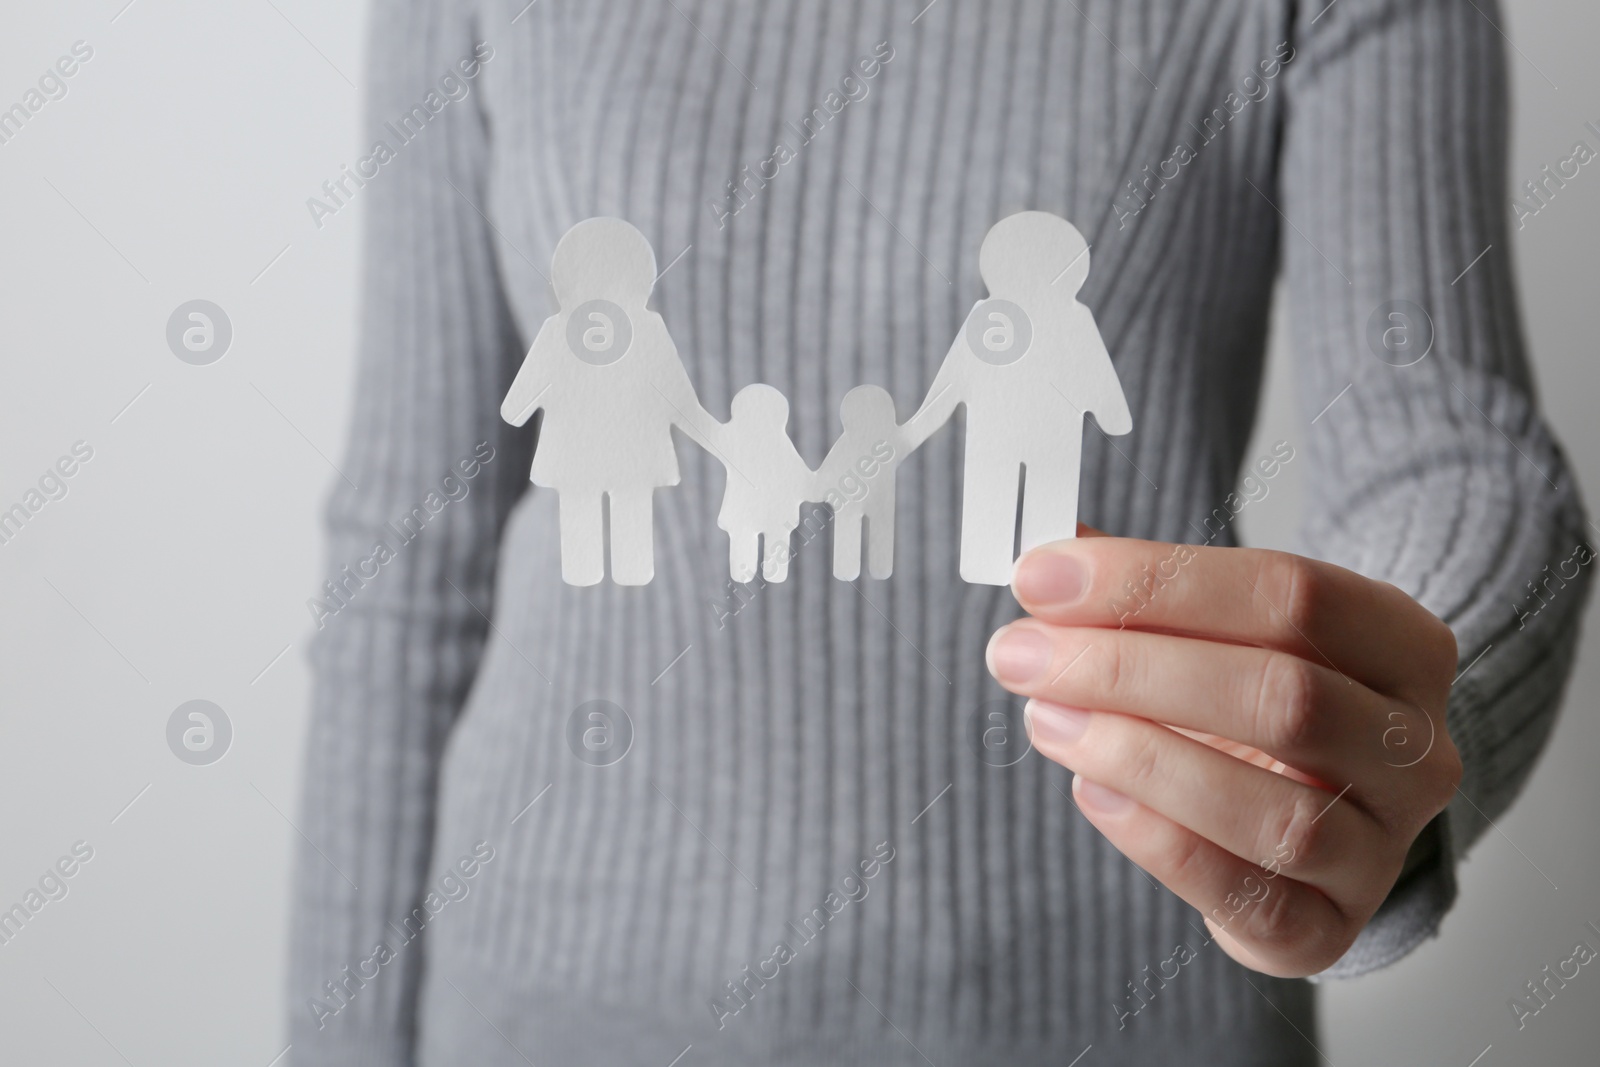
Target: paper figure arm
{"x":533,"y":378}
{"x":943,"y":397}
{"x":1105,"y":399}
{"x":688,"y":415}
{"x":826,"y":477}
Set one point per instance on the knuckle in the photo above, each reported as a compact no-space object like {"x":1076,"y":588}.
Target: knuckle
{"x":1333,"y":944}
{"x":1133,"y":751}
{"x":1433,"y":650}
{"x":1434,"y":647}
{"x":1301,"y":830}
{"x":1107,"y":667}
{"x":1274,"y":921}
{"x":1439,"y":769}
{"x":1184,"y":854}
{"x":1289,"y":702}
{"x":1322,"y":944}
{"x":1448,"y":771}
{"x":1301,"y":591}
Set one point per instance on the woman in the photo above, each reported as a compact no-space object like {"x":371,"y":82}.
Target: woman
{"x":796,"y":843}
{"x":610,"y":400}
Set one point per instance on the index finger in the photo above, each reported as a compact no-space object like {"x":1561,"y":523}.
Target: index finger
{"x":1369,"y":631}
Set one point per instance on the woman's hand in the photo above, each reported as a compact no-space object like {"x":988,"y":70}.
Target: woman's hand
{"x":1262,"y":732}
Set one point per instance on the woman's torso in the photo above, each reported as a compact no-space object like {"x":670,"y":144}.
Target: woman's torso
{"x":774,"y":735}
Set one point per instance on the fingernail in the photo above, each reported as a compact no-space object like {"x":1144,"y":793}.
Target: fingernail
{"x":1054,"y":724}
{"x":1050,"y":578}
{"x":1098,"y":798}
{"x":1018,"y":654}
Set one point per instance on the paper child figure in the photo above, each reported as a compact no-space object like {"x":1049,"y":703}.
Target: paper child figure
{"x":1027,"y":364}
{"x":608,"y":377}
{"x":767,"y":483}
{"x":856,"y":480}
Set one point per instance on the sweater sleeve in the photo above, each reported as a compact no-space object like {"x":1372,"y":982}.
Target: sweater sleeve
{"x":429,"y":476}
{"x":1431,"y":467}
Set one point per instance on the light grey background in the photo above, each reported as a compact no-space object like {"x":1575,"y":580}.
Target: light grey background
{"x":178,"y":565}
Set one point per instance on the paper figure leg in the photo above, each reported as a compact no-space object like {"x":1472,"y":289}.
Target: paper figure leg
{"x":582,"y":538}
{"x":988,"y":518}
{"x":744,"y":555}
{"x":632,"y":538}
{"x":880,"y":530}
{"x":847,"y":545}
{"x":775,"y":567}
{"x":1049,"y":504}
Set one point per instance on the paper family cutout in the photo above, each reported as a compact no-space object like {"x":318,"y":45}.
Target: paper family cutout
{"x":1027,"y":364}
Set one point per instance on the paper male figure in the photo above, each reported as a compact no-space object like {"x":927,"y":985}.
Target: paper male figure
{"x":1027,"y":364}
{"x":767,"y":483}
{"x":608,"y":377}
{"x":857,"y":481}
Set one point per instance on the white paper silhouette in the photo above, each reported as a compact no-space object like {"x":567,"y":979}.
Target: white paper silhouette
{"x":767,"y":483}
{"x":1028,"y":364}
{"x":856,"y":480}
{"x":608,"y":378}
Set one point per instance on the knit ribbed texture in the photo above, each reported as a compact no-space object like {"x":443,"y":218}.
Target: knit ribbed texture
{"x":779,"y":734}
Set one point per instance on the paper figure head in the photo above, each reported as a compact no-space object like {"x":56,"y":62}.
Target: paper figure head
{"x":760,"y":404}
{"x":867,"y":409}
{"x":1033,"y":251}
{"x":603,"y":258}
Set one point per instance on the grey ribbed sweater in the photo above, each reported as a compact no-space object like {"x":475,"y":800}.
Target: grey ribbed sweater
{"x":782,"y":738}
